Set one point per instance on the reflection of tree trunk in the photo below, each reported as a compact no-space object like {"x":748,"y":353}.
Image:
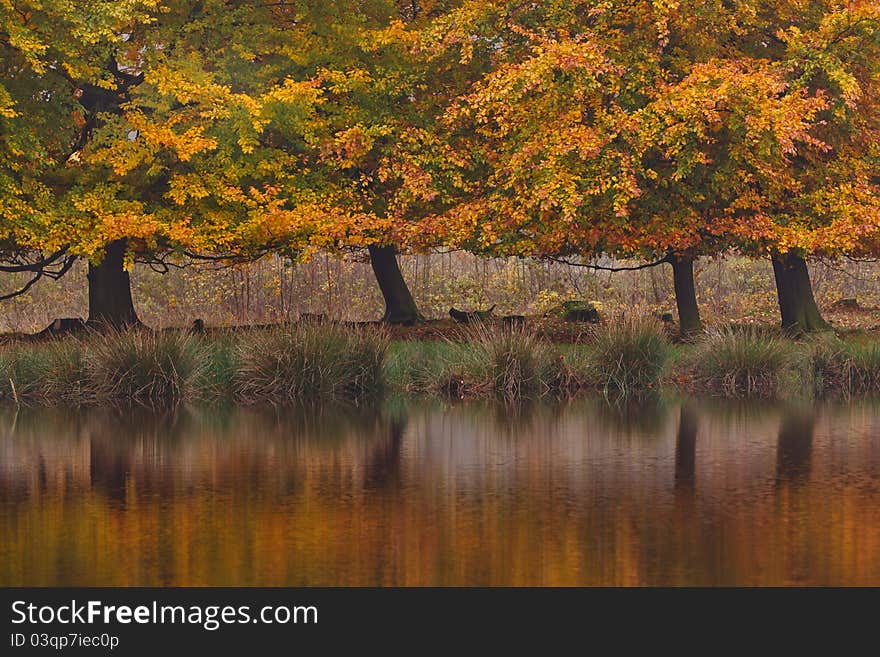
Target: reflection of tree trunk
{"x":109,"y":469}
{"x":686,"y":449}
{"x":793,"y":462}
{"x":383,"y":469}
{"x":795,"y":446}
{"x":110,"y":301}
{"x":685,"y":295}
{"x":400,"y":307}
{"x":797,"y":305}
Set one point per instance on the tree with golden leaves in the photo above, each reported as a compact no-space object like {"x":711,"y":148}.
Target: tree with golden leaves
{"x":658,"y":130}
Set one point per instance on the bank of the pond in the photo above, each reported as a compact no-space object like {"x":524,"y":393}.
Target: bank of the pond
{"x":312,"y":361}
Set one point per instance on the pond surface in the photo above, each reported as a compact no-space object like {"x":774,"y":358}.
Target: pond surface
{"x":579,"y":494}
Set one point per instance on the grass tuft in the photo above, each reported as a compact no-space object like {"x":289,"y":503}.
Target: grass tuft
{"x":510,"y":361}
{"x":143,"y":367}
{"x":845,"y":367}
{"x":49,"y":373}
{"x":505,"y":362}
{"x":308,"y":360}
{"x":628,"y":356}
{"x":311,"y":362}
{"x":742,"y":362}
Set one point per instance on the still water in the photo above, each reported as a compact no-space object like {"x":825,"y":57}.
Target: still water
{"x":675,"y":493}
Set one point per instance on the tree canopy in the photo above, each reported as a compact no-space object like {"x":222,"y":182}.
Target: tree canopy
{"x":643,"y":129}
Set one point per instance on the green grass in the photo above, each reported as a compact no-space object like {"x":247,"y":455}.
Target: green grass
{"x":741,"y":362}
{"x":844,"y":367}
{"x":143,"y":367}
{"x":313,"y":362}
{"x":309,"y":360}
{"x":51,"y":372}
{"x":216,"y":377}
{"x":628,"y":356}
{"x":490,"y":361}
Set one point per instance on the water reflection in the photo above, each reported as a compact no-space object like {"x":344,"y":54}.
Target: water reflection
{"x":795,"y":447}
{"x":686,"y":449}
{"x":582,"y":493}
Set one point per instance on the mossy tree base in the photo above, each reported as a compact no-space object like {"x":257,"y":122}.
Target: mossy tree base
{"x":797,"y":305}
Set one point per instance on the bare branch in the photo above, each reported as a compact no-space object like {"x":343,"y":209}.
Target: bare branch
{"x":27,"y":286}
{"x":34,"y":266}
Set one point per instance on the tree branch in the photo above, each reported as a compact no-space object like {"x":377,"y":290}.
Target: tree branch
{"x":38,"y":274}
{"x":37,"y":266}
{"x":27,"y":286}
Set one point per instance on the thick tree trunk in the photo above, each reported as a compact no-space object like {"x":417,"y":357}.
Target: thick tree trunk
{"x":795,"y":292}
{"x":110,"y":300}
{"x":400,"y":307}
{"x":689,"y":322}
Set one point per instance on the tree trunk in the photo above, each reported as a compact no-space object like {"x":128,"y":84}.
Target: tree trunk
{"x":689,"y":322}
{"x":795,"y":292}
{"x":110,"y":300}
{"x":400,"y":307}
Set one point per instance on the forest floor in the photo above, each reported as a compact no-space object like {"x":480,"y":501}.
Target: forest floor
{"x":847,"y":317}
{"x":847,"y":321}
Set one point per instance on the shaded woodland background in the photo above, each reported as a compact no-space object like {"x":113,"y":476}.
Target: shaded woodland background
{"x":729,"y":289}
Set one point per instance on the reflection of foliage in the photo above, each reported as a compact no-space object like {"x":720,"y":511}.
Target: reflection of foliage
{"x":580,"y":497}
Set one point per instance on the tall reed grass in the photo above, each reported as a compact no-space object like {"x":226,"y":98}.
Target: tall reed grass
{"x":143,"y":367}
{"x":317,"y":361}
{"x":628,"y":356}
{"x":741,"y":362}
{"x":52,"y":372}
{"x":310,"y":360}
{"x":509,"y":363}
{"x":844,"y":367}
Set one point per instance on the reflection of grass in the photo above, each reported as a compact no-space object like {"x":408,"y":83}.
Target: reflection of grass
{"x":311,"y":361}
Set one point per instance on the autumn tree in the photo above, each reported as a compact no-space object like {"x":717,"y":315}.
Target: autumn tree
{"x":266,"y":127}
{"x":63,"y":71}
{"x":120,"y":169}
{"x":660,"y":131}
{"x":546,"y":155}
{"x":779,"y":116}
